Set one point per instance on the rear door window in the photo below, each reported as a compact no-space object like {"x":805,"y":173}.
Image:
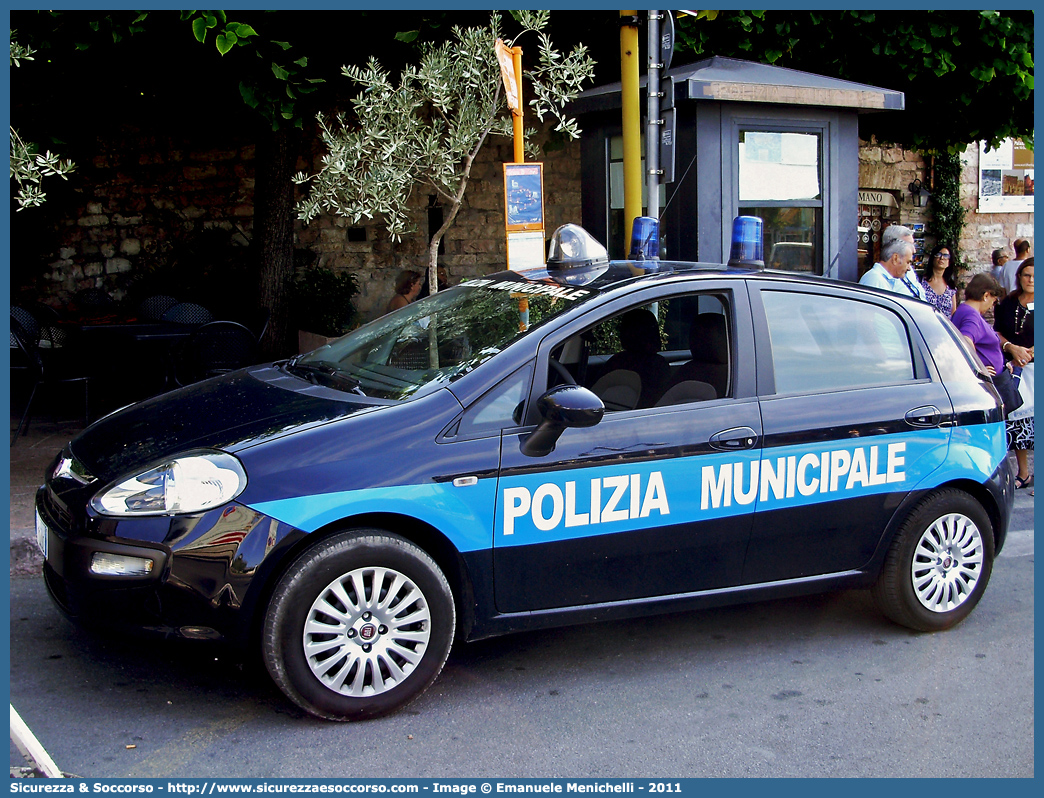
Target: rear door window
{"x":823,"y":343}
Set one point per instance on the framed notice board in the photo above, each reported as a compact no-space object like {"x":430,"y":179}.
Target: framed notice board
{"x":524,"y":196}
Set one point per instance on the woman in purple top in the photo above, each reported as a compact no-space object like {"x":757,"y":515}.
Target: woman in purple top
{"x":980,"y":296}
{"x":938,"y":279}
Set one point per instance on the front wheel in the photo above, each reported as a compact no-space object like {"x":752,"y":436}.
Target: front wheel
{"x":939,"y":563}
{"x":359,"y":626}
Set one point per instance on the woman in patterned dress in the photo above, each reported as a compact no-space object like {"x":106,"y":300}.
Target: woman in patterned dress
{"x":938,"y":280}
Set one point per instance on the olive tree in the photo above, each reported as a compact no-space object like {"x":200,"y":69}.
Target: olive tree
{"x":28,"y":166}
{"x":428,"y":128}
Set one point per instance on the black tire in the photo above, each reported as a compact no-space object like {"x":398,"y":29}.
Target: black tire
{"x":939,"y":563}
{"x":384,"y":646}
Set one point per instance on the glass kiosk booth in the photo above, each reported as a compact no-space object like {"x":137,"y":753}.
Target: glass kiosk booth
{"x":751,"y":140}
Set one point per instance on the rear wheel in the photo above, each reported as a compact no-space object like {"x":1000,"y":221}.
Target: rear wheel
{"x":939,"y":563}
{"x":359,"y":626}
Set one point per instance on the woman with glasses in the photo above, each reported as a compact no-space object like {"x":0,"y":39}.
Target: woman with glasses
{"x":1014,"y":324}
{"x":940,"y":285}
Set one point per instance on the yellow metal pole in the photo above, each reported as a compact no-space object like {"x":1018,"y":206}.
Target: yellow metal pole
{"x":632,"y":121}
{"x":516,"y":116}
{"x":520,"y":157}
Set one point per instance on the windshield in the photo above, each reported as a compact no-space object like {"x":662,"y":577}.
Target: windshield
{"x":423,"y":346}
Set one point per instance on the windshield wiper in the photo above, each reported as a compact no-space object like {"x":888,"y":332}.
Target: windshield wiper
{"x":327,"y":374}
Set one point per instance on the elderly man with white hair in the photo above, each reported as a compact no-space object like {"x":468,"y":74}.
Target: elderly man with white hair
{"x":894,"y":272}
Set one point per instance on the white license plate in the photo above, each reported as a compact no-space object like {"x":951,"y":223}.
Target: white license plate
{"x":41,"y":534}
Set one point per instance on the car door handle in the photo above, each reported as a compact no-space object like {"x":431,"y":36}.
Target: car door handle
{"x":927,"y":416}
{"x":735,"y":439}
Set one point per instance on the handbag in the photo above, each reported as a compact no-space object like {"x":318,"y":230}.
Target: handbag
{"x":1009,"y":394}
{"x":1025,"y":390}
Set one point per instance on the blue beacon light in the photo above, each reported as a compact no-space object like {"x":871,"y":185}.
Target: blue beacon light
{"x":645,"y":239}
{"x":747,"y":247}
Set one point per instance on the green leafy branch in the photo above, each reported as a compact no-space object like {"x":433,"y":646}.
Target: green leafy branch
{"x":116,"y":28}
{"x":274,"y":92}
{"x":20,"y":52}
{"x":949,"y":214}
{"x":228,"y":36}
{"x":28,"y":166}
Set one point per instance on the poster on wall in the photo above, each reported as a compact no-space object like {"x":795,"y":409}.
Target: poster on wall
{"x":1006,"y":178}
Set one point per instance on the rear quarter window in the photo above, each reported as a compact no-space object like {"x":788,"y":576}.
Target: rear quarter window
{"x":823,"y":343}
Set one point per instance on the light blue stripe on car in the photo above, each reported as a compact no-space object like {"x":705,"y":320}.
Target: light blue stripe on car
{"x":463,"y":514}
{"x":574,"y":503}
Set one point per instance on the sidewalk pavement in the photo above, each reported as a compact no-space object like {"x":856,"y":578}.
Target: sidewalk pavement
{"x":30,"y":456}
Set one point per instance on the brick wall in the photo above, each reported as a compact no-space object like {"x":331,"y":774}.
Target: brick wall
{"x":893,"y":169}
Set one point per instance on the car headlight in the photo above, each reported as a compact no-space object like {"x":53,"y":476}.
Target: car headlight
{"x":188,"y":484}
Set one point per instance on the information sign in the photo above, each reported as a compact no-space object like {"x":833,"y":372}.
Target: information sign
{"x":524,"y":196}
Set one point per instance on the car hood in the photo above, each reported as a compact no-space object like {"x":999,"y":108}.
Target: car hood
{"x":229,"y":412}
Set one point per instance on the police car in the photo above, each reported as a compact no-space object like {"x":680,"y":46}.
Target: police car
{"x":589,"y":441}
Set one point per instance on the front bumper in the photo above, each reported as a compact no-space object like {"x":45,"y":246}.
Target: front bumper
{"x":93,"y":598}
{"x":205,"y":581}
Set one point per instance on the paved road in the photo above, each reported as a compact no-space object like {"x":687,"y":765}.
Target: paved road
{"x":820,"y":686}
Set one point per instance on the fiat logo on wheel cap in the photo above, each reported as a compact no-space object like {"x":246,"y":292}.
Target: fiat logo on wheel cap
{"x":368,"y":632}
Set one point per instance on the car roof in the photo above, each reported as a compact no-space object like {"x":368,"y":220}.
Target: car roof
{"x":612,"y":275}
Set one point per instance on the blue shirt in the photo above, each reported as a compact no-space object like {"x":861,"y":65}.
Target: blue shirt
{"x":909,"y":283}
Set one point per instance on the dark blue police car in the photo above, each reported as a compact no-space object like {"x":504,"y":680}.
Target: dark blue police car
{"x":590,"y":441}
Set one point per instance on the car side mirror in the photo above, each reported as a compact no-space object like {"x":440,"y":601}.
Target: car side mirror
{"x":560,"y":408}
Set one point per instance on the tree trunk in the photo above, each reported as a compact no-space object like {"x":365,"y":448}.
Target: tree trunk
{"x":274,"y":236}
{"x":433,"y":245}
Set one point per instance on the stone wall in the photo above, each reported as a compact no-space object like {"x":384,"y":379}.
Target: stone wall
{"x":985,"y":232}
{"x":139,"y":203}
{"x":473,"y":246}
{"x":144,"y":204}
{"x":893,"y":169}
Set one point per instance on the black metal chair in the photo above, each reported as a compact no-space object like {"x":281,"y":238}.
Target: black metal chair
{"x":28,"y":363}
{"x":53,"y":334}
{"x":215,"y":348}
{"x":42,"y":323}
{"x":188,"y":313}
{"x":153,"y":307}
{"x":28,"y":323}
